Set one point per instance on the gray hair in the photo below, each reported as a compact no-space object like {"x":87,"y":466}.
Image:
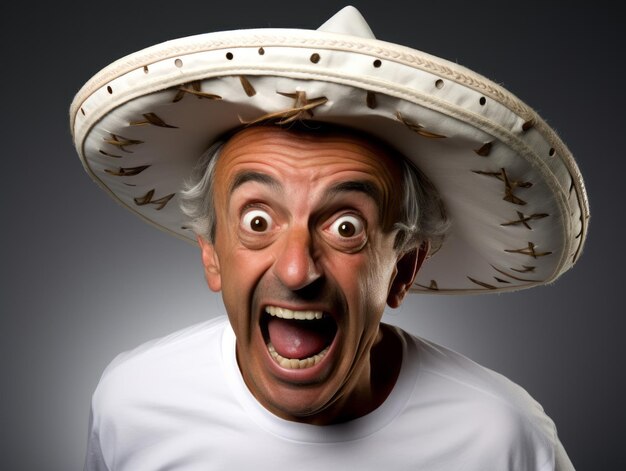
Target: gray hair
{"x":196,"y":199}
{"x":421,"y":217}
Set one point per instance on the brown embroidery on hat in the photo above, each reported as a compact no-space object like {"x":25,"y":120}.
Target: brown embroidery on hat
{"x":528,"y":125}
{"x":153,"y":119}
{"x":127,"y":171}
{"x":579,"y":236}
{"x":523,"y":219}
{"x":129,"y":184}
{"x":484,"y":150}
{"x":580,"y":232}
{"x":122,"y":142}
{"x":509,"y":185}
{"x":480,"y":283}
{"x":432,"y":286}
{"x":517,"y":278}
{"x":147,"y":199}
{"x":302,"y":108}
{"x":500,"y":280}
{"x":524,"y":269}
{"x":530,"y":251}
{"x":247,"y":86}
{"x":370,"y":100}
{"x":109,"y":155}
{"x":418,"y":128}
{"x":194,"y":88}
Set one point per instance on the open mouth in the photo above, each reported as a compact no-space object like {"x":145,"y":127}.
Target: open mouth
{"x":297,"y":339}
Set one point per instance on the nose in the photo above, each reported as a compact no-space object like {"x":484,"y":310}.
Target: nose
{"x":295,"y":266}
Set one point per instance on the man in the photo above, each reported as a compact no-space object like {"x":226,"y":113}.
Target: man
{"x":306,"y":258}
{"x":335,"y":165}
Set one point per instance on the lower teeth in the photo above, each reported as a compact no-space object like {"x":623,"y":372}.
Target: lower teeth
{"x":294,"y":363}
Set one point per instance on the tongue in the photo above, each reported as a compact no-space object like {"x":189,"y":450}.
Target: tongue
{"x":300,"y":339}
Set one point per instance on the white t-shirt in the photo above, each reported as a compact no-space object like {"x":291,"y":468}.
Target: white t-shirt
{"x":180,"y":403}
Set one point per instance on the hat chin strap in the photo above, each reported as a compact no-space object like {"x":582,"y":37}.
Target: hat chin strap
{"x":348,"y":20}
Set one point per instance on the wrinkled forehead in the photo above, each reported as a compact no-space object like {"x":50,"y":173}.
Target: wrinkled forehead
{"x":340,"y":157}
{"x":314,"y":144}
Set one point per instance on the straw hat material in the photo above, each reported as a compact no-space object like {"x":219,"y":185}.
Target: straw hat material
{"x":513,"y":192}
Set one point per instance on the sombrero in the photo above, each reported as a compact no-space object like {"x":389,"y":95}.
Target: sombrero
{"x":513,"y":192}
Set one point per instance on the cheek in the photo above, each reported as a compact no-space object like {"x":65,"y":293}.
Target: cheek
{"x":241,"y":272}
{"x":381,"y":275}
{"x":381,"y":270}
{"x":364,"y":279}
{"x":237,"y":273}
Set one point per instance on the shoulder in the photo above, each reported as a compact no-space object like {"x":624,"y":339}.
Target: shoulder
{"x":160,"y":391}
{"x":472,"y":404}
{"x":454,"y":373}
{"x":180,"y":341}
{"x":158,"y":363}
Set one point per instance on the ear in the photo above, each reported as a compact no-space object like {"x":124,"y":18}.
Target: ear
{"x":211,"y":263}
{"x":407,"y":267}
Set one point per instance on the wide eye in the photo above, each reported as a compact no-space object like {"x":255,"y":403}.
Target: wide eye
{"x":347,"y":227}
{"x":256,"y":220}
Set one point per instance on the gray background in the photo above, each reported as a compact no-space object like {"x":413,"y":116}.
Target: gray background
{"x":83,"y":279}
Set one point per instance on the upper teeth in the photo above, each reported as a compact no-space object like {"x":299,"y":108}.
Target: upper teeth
{"x":284,"y":313}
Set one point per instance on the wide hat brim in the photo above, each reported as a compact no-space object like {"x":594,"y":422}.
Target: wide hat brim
{"x":514,"y":194}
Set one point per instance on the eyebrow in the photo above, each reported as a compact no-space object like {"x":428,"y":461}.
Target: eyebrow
{"x":365,"y":187}
{"x":361,"y":186}
{"x":250,"y":176}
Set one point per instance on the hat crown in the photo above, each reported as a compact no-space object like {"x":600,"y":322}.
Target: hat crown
{"x":348,"y":20}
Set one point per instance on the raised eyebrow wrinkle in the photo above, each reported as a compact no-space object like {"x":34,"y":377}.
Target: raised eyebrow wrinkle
{"x":250,"y":176}
{"x":362,"y":186}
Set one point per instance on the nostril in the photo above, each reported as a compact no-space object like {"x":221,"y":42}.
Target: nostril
{"x":312,"y":291}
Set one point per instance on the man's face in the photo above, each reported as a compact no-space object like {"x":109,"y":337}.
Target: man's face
{"x":305,"y":261}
